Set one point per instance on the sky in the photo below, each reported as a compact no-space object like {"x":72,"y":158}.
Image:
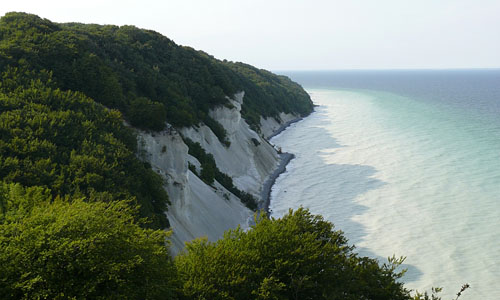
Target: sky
{"x":285,"y":35}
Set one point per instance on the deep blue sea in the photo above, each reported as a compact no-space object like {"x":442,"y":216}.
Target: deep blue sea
{"x":405,"y":163}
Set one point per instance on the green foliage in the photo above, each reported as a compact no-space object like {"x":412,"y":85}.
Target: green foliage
{"x":55,"y":137}
{"x":63,"y":90}
{"x":425,"y":296}
{"x":435,"y":291}
{"x":65,"y":142}
{"x":207,"y":161}
{"x":245,"y":198}
{"x":299,"y":256}
{"x":227,"y":182}
{"x":144,"y":113}
{"x":16,"y":200}
{"x":82,"y":250}
{"x":193,"y":168}
{"x":267,"y":94}
{"x":55,"y":249}
{"x":218,"y":130}
{"x":117,"y":65}
{"x":210,"y":172}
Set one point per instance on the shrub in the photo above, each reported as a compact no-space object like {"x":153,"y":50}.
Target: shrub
{"x":147,"y":114}
{"x":299,"y":256}
{"x":86,"y":251}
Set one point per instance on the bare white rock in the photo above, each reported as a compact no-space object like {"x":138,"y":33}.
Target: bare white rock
{"x":268,"y":126}
{"x":249,"y":160}
{"x":198,"y":209}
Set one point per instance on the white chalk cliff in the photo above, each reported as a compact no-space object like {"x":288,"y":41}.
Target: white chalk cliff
{"x":198,"y":209}
{"x":268,"y":126}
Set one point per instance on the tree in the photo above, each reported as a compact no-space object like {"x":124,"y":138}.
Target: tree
{"x":16,"y":200}
{"x":148,"y":114}
{"x":86,"y":251}
{"x":299,"y":256}
{"x":115,"y":65}
{"x":68,"y":143}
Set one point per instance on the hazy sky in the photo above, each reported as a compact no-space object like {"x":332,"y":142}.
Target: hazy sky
{"x":307,"y":34}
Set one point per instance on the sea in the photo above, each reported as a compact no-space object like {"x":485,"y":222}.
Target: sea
{"x":405,"y":163}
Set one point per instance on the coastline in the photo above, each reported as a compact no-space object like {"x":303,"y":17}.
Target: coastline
{"x":285,"y":159}
{"x":283,"y":127}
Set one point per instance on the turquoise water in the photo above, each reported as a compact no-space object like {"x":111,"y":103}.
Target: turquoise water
{"x":407,"y":174}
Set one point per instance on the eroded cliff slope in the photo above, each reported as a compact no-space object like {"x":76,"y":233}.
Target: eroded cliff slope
{"x":73,"y":86}
{"x":199,"y":209}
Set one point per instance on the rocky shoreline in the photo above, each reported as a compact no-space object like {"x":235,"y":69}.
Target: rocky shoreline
{"x":285,"y":158}
{"x":283,"y":127}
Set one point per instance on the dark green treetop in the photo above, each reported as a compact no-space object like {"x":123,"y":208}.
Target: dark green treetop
{"x":79,"y":250}
{"x":299,"y":256}
{"x":117,"y":65}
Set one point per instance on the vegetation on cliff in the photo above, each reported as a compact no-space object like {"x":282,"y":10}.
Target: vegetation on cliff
{"x":299,"y":256}
{"x":65,"y":142}
{"x":142,"y":73}
{"x":76,"y":202}
{"x":66,"y":87}
{"x":209,"y":172}
{"x":52,"y":249}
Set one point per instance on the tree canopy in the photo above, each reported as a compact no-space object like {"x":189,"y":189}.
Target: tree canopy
{"x":79,"y":250}
{"x":120,"y":66}
{"x":299,"y":256}
{"x":69,"y":144}
{"x":72,"y":249}
{"x":66,"y":89}
{"x":76,"y":202}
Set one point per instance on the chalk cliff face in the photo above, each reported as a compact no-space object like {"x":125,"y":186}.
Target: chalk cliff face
{"x":249,"y":160}
{"x":198,"y":209}
{"x":270,"y":125}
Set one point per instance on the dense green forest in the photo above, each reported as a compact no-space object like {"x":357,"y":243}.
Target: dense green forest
{"x":80,"y":250}
{"x":142,"y":73}
{"x":66,"y":87}
{"x":81,"y":217}
{"x":67,"y":143}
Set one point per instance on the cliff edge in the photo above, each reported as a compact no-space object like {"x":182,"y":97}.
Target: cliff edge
{"x":199,"y":209}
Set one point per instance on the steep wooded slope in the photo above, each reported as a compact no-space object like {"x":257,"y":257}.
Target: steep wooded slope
{"x":65,"y":88}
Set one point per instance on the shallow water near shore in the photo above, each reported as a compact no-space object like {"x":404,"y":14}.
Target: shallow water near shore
{"x":415,"y":175}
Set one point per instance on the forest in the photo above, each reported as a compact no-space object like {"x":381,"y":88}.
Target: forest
{"x":142,"y":73}
{"x":67,"y":87}
{"x":82,"y":217}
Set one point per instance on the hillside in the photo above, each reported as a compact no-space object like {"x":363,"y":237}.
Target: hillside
{"x":65,"y":88}
{"x":110,"y":135}
{"x":121,"y":66}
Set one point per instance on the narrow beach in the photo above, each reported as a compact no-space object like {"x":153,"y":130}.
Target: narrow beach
{"x":285,"y":158}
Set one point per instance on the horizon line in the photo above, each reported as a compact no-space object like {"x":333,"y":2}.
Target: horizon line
{"x":388,"y":69}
